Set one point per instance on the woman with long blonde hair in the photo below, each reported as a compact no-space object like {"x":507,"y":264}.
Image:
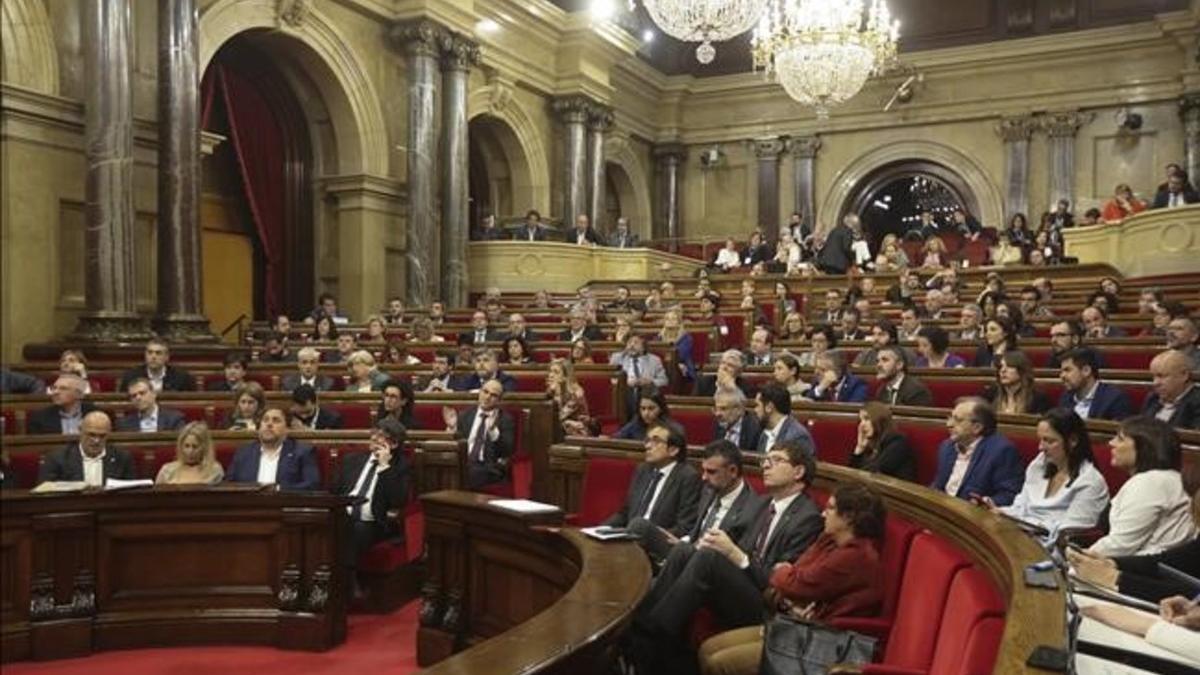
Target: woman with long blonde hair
{"x":195,"y":459}
{"x":567,"y":394}
{"x":674,"y":333}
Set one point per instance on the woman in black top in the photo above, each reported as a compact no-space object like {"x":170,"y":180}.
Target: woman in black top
{"x":398,"y":401}
{"x":1013,"y":392}
{"x":999,"y":338}
{"x":880,"y":448}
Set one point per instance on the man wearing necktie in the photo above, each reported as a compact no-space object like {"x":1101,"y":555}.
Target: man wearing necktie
{"x":480,"y":331}
{"x":665,"y":489}
{"x":760,"y":347}
{"x":897,"y":387}
{"x":490,"y":435}
{"x":731,"y":422}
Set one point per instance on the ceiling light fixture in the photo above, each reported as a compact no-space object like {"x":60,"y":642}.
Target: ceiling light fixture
{"x":704,"y":21}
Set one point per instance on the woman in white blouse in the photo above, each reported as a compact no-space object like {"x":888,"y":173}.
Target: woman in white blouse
{"x":728,"y":258}
{"x":1151,"y":511}
{"x":1063,"y":488}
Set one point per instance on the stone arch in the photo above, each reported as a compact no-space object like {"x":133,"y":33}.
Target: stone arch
{"x":632,"y":182}
{"x":354,"y":107}
{"x":27,"y":55}
{"x":505,"y":165}
{"x":521,"y":142}
{"x":847,"y":183}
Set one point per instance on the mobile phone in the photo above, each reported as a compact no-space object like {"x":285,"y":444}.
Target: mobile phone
{"x":1048,"y":658}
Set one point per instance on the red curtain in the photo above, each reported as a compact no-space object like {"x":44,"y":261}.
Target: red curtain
{"x":258,"y":145}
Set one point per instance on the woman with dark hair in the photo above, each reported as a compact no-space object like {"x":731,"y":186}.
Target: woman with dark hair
{"x":249,"y":403}
{"x":397,"y":402}
{"x":838,"y":575}
{"x":1018,"y":231}
{"x":1014,"y":392}
{"x":787,"y":372}
{"x":932,"y":343}
{"x":516,"y":351}
{"x":581,"y":352}
{"x":823,"y":339}
{"x":999,"y":338}
{"x":1150,"y":512}
{"x":396,"y":353}
{"x":325,"y":330}
{"x":989,"y":301}
{"x":1105,"y":301}
{"x":1063,"y":488}
{"x":880,"y":448}
{"x":652,"y":409}
{"x":1012,"y":311}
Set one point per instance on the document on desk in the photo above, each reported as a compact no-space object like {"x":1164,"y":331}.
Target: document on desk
{"x":524,"y":506}
{"x":59,"y":486}
{"x":1091,"y":630}
{"x":607,"y":533}
{"x":122,"y":484}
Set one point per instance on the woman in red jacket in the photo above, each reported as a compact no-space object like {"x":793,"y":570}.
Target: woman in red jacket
{"x":838,"y":575}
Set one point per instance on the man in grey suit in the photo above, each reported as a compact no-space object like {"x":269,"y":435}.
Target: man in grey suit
{"x":641,"y":370}
{"x":623,"y":237}
{"x":774,"y":407}
{"x":728,"y":503}
{"x":732,"y":421}
{"x":308,"y":362}
{"x":665,"y":489}
{"x":89,"y":460}
{"x":148,"y":416}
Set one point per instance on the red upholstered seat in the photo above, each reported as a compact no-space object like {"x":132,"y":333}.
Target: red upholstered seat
{"x":971,"y":627}
{"x":355,"y":415}
{"x":697,"y":424}
{"x":25,"y":467}
{"x":8,"y":420}
{"x":924,"y":439}
{"x":897,"y":538}
{"x":605,"y":482}
{"x":946,"y":391}
{"x":737,"y":332}
{"x":834,"y":437}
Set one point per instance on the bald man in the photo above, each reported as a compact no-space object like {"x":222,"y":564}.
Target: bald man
{"x":89,"y":460}
{"x":1176,"y":398}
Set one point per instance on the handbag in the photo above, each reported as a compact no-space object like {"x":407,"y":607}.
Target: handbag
{"x":794,"y":647}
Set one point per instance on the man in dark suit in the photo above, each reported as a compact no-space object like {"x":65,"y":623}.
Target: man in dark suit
{"x":377,"y":480}
{"x":532,"y":229}
{"x":1085,"y":393}
{"x":850,"y":330}
{"x":731,"y":420}
{"x":729,"y":374}
{"x":728,"y":503}
{"x":517,"y":328}
{"x":158,"y":370}
{"x":726,"y":575}
{"x":90,"y":460}
{"x":835,"y":382}
{"x":68,"y":411}
{"x":487,"y":230}
{"x":1175,"y":193}
{"x":236,"y":365}
{"x":665,"y":489}
{"x":977,"y":462}
{"x":773,"y":404}
{"x":481,"y":332}
{"x":968,"y":225}
{"x":578,"y":328}
{"x":148,"y":416}
{"x":759,"y":353}
{"x":623,"y":237}
{"x":13,"y":382}
{"x":487,"y":367}
{"x":490,"y":434}
{"x":308,"y":364}
{"x":1064,"y":336}
{"x":1095,"y":323}
{"x":837,"y":254}
{"x":1176,"y":398}
{"x":274,"y":458}
{"x":307,"y":414}
{"x":583,"y":234}
{"x":897,"y":387}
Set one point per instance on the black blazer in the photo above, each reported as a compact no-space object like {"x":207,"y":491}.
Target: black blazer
{"x":168,"y":420}
{"x":66,"y":464}
{"x":290,"y":381}
{"x":528,"y":337}
{"x":571,"y":236}
{"x":894,"y":457}
{"x":676,"y":507}
{"x":522,"y":233}
{"x":836,"y":256}
{"x":175,"y":379}
{"x":739,"y":517}
{"x":326,"y":419}
{"x":490,"y":335}
{"x":496,"y":451}
{"x":748,"y":433}
{"x":1187,"y":409}
{"x":1163,"y":197}
{"x":912,"y":392}
{"x":390,"y":484}
{"x":1038,"y":404}
{"x":591,"y":333}
{"x":48,"y":421}
{"x":797,"y":528}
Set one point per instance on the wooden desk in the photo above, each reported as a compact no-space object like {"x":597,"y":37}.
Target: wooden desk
{"x":519,"y":595}
{"x":169,"y":566}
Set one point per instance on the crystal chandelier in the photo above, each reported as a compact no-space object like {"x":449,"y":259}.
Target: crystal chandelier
{"x":823,"y":51}
{"x":704,"y":21}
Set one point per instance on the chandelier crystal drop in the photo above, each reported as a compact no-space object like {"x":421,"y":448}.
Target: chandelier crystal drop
{"x":704,"y":21}
{"x":823,"y":51}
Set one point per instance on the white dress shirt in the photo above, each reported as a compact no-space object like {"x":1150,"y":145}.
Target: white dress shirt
{"x":769,"y":435}
{"x":268,"y":464}
{"x":1078,"y":503}
{"x":365,"y":512}
{"x":781,"y":506}
{"x":156,"y":381}
{"x":148,"y":423}
{"x":962,"y":462}
{"x":728,"y":259}
{"x":93,"y":468}
{"x":1150,"y":514}
{"x":1083,"y":404}
{"x":666,"y":473}
{"x":70,"y":423}
{"x":483,"y":417}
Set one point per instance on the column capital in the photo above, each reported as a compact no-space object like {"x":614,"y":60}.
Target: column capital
{"x":600,"y":118}
{"x":573,"y":109}
{"x":806,"y":147}
{"x":1065,"y":123}
{"x":769,"y":149}
{"x":420,"y":37}
{"x":1019,"y":128}
{"x":458,"y":51}
{"x":670,"y":152}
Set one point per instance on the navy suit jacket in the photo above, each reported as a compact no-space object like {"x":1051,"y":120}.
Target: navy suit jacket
{"x":995,"y":470}
{"x":174,"y":379}
{"x":1187,"y":409}
{"x":169,"y":419}
{"x":1109,"y":403}
{"x":749,"y":430}
{"x":49,"y":420}
{"x":792,"y":430}
{"x":297,"y":466}
{"x":473,"y":382}
{"x":851,"y":389}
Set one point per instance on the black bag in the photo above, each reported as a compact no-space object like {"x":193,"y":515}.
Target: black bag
{"x":793,"y":647}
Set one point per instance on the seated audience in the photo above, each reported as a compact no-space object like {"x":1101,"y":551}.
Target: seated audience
{"x":880,"y":448}
{"x":326,"y":306}
{"x":787,"y":373}
{"x":195,"y":459}
{"x":1182,"y":335}
{"x":728,"y":258}
{"x":158,"y":370}
{"x":378,"y":481}
{"x":148,"y":416}
{"x":249,"y":402}
{"x":376,"y":330}
{"x":1032,"y":306}
{"x":1096,"y":326}
{"x":970,"y":320}
{"x":977,"y":461}
{"x":568,"y":397}
{"x":674,"y":333}
{"x":13,"y":382}
{"x":490,"y":433}
{"x":394,"y":315}
{"x":773,"y":405}
{"x":1014,"y":391}
{"x":850,"y":329}
{"x":396,"y":354}
{"x":578,"y":328}
{"x":308,"y":361}
{"x":822,"y":340}
{"x":1175,"y":193}
{"x":1150,"y":513}
{"x":441,"y":376}
{"x":583,"y":234}
{"x":832,"y":313}
{"x":347,"y":344}
{"x":932,"y":345}
{"x":883,"y":333}
{"x":397,"y":401}
{"x":274,"y":458}
{"x":729,"y":374}
{"x":651,"y":409}
{"x":999,"y":338}
{"x":759,"y":353}
{"x":365,"y":376}
{"x":1176,"y":398}
{"x":665,"y":489}
{"x":487,"y":367}
{"x":934,"y":254}
{"x":732,"y":421}
{"x":422,"y":331}
{"x":307,"y":414}
{"x":896,"y":386}
{"x":794,"y":327}
{"x":834,"y":382}
{"x":325,"y":330}
{"x":531,"y":229}
{"x":437,"y":313}
{"x":1085,"y":393}
{"x":68,"y":411}
{"x":236,"y":364}
{"x":1005,"y":253}
{"x":756,"y":251}
{"x":90,"y":459}
{"x":1065,"y":336}
{"x":487,"y":230}
{"x":516,"y":351}
{"x":73,"y":362}
{"x":581,"y":352}
{"x":481,"y":331}
{"x":518,"y":328}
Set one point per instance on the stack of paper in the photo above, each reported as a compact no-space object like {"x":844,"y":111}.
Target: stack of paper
{"x":524,"y":506}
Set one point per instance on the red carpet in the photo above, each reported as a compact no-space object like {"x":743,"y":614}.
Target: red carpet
{"x":375,"y":644}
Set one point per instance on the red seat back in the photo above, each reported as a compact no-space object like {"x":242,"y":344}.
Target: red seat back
{"x":924,"y":439}
{"x":355,"y":415}
{"x":697,"y":424}
{"x":931,"y":565}
{"x":898,"y":536}
{"x":971,"y":627}
{"x":605,"y":482}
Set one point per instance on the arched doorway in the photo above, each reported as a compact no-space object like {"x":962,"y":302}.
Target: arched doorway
{"x":498,"y":172}
{"x":889,"y":200}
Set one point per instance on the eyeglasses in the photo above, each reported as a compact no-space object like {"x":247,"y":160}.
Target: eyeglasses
{"x":769,"y":460}
{"x":651,"y":440}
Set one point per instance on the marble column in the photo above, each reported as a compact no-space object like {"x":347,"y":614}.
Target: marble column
{"x":111,"y":312}
{"x":1189,"y":112}
{"x":573,"y":111}
{"x":420,"y":41}
{"x":1061,"y":128}
{"x":458,"y":55}
{"x":804,"y":157}
{"x":1016,"y":132}
{"x":670,"y":158}
{"x":599,"y":122}
{"x":768,"y":150}
{"x":180,"y":293}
